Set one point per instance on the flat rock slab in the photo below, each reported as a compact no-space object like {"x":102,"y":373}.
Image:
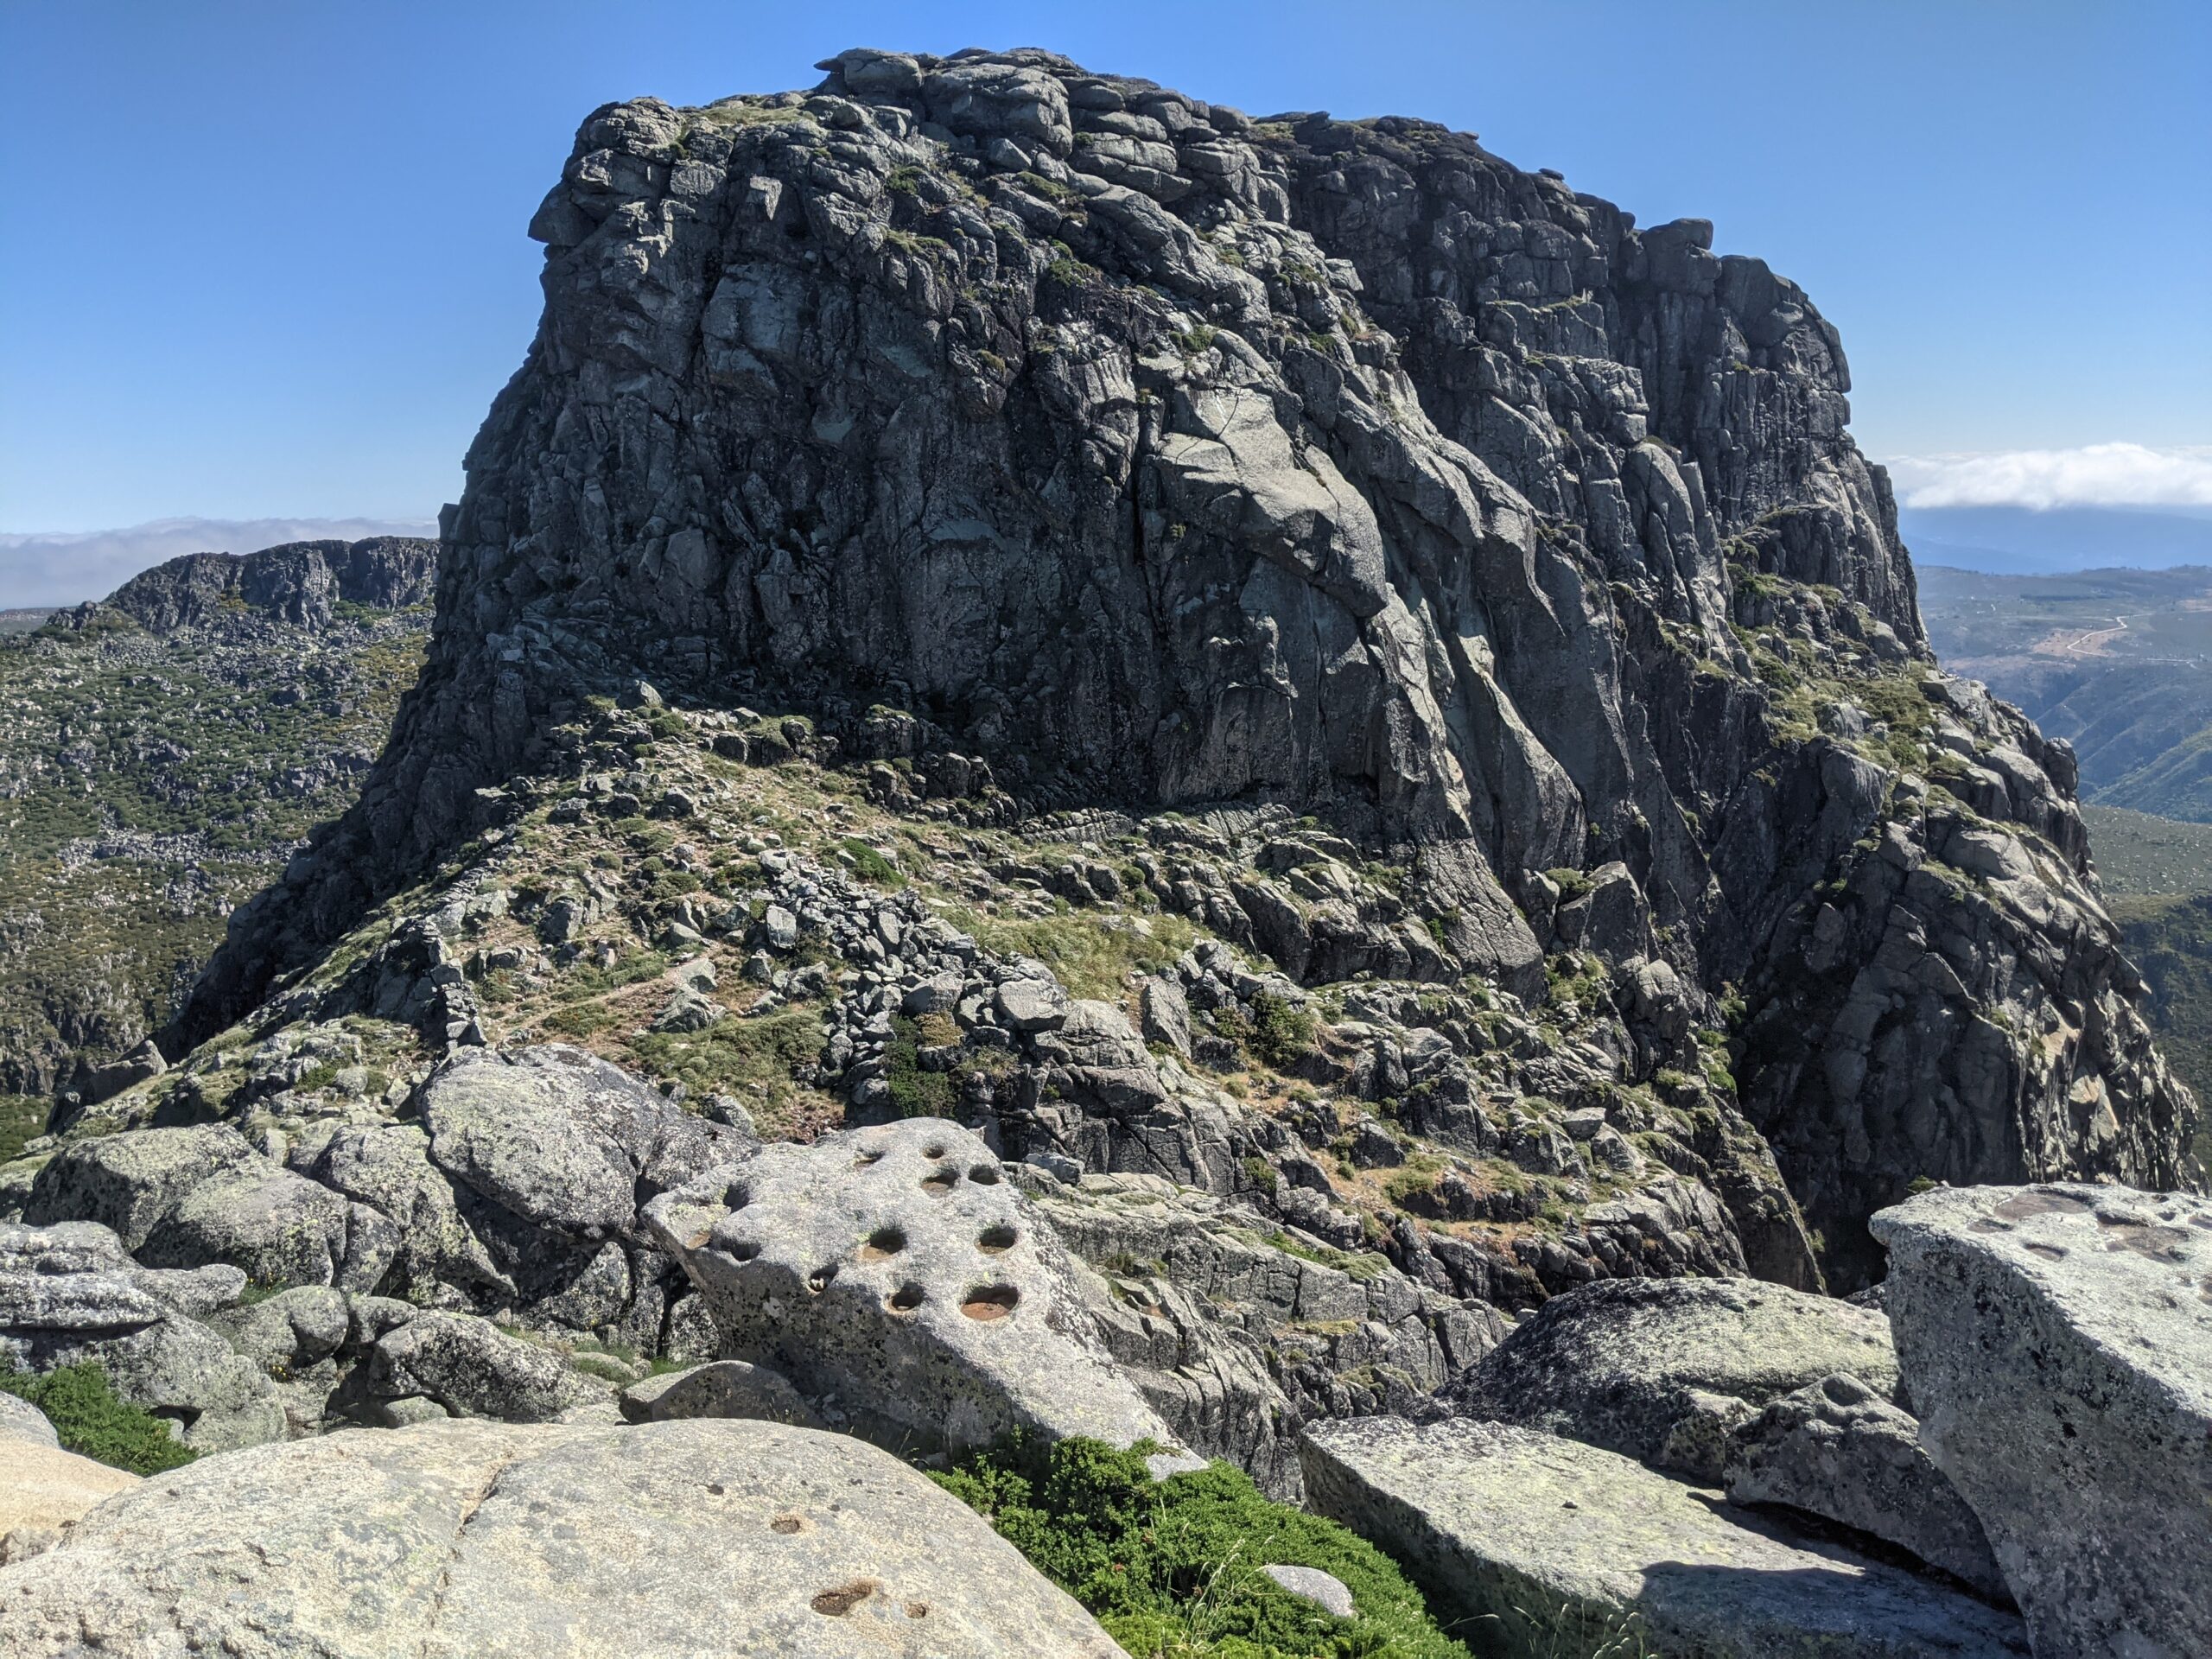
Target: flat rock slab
{"x":1575,"y":1552}
{"x":2057,"y":1341}
{"x":484,"y":1541}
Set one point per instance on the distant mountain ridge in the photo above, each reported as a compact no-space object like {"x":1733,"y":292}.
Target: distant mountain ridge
{"x":2035,"y":541}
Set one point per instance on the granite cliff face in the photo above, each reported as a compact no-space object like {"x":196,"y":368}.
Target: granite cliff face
{"x":1026,"y":424}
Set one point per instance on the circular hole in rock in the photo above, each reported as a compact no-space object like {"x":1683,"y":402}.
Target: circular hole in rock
{"x":835,"y":1604}
{"x":787,"y":1524}
{"x":882,"y":1243}
{"x":918,"y":1610}
{"x":736,"y":1196}
{"x":984,"y":1174}
{"x":818,"y":1281}
{"x":991,"y":1302}
{"x":906,"y":1299}
{"x":932,"y":1151}
{"x":942,"y":1182}
{"x":741,"y":1249}
{"x":995,"y":1241}
{"x":874,"y":1155}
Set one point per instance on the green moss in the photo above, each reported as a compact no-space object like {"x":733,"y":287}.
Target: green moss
{"x":753,"y":1059}
{"x":1093,"y":955}
{"x":1171,"y":1568}
{"x":91,"y":1421}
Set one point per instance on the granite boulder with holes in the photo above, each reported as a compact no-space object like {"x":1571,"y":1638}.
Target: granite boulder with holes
{"x":905,"y":1286}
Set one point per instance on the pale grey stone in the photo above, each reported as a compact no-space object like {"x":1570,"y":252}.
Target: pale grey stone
{"x":1838,"y":1450}
{"x":21,"y":1420}
{"x":897,"y":1269}
{"x":2058,"y":1343}
{"x":1562,"y":1549}
{"x":722,"y":1388}
{"x":1662,"y":1369}
{"x":723,"y":1540}
{"x":1325,"y":1590}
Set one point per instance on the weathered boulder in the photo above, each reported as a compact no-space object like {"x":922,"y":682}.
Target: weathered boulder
{"x":457,"y":1541}
{"x":562,"y":1139}
{"x":722,"y":1387}
{"x":1564,"y":1549}
{"x":2058,"y":1343}
{"x":897,"y":1269}
{"x":470,"y":1368}
{"x":1839,"y":1451}
{"x":1662,"y":1370}
{"x":70,"y":1296}
{"x":21,"y":1420}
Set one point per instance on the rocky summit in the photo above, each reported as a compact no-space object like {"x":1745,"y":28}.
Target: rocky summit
{"x":1235,"y":829}
{"x":1158,"y":458}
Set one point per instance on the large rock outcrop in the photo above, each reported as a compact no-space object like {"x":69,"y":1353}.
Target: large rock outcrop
{"x":1662,"y":1369}
{"x":1160,"y":456}
{"x":2057,"y":1341}
{"x":299,"y":582}
{"x":451,"y":1539}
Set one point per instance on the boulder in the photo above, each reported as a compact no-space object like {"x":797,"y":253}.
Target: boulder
{"x":470,"y":1368}
{"x":453,"y":1540}
{"x":2058,"y":1342}
{"x":1662,"y":1369}
{"x":562,"y":1139}
{"x":1567,"y":1550}
{"x":722,"y":1388}
{"x":129,"y":1182}
{"x":1839,"y":1451}
{"x":21,"y":1420}
{"x":896,"y":1268}
{"x":69,"y":1295}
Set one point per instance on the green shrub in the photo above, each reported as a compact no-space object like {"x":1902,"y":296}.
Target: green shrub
{"x":914,"y":1092}
{"x":91,"y":1421}
{"x":1282,"y":1032}
{"x":1171,"y":1568}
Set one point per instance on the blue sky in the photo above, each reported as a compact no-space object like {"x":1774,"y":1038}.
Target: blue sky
{"x":267,"y":260}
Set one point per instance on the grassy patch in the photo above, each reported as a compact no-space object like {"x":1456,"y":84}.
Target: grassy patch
{"x":753,"y":1059}
{"x":914,"y":1092}
{"x":91,"y":1421}
{"x":1093,"y":955}
{"x":1171,"y":1568}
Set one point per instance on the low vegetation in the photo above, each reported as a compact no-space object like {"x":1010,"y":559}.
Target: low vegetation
{"x":1171,"y":1568}
{"x":81,"y":1404}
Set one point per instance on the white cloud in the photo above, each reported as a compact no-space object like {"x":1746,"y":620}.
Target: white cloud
{"x":2097,"y":475}
{"x":67,"y":568}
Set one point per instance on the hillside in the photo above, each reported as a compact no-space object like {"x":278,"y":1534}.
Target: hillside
{"x":162,"y":754}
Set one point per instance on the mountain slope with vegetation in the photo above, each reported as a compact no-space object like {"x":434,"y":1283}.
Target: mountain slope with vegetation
{"x":162,"y":754}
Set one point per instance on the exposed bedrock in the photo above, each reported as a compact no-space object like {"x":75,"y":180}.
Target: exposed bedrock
{"x":1160,"y":457}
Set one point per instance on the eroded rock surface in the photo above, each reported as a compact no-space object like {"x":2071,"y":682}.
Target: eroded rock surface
{"x":463,"y":1540}
{"x":1571,"y":1550}
{"x":2057,"y":1341}
{"x":1838,"y":1450}
{"x":897,"y":1271}
{"x":1663,"y":1370}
